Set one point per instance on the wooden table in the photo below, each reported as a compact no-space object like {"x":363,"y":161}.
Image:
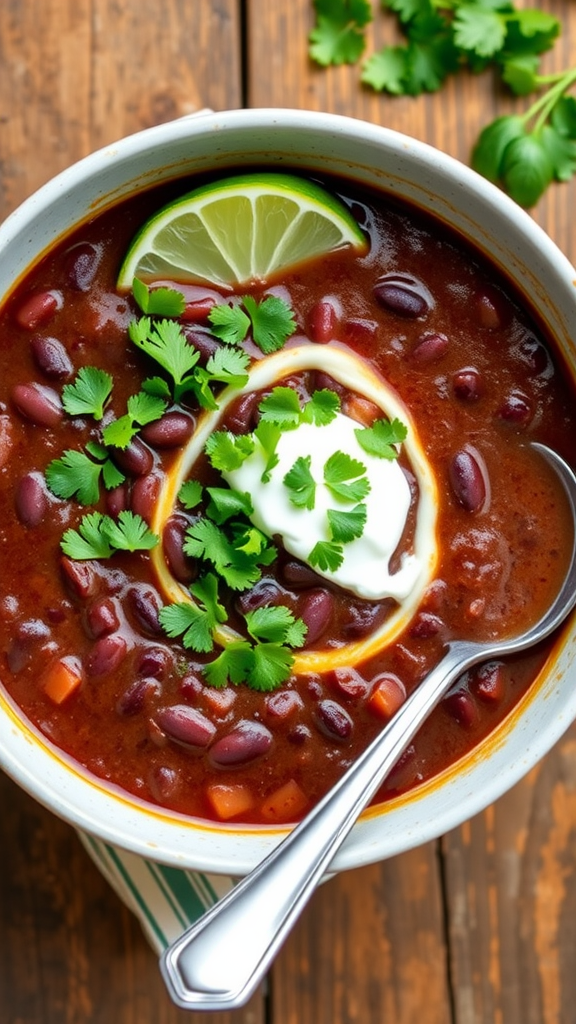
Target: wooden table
{"x":477,"y":927}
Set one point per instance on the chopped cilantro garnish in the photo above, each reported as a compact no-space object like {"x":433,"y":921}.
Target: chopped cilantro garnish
{"x":225,"y":503}
{"x":346,"y":478}
{"x":282,"y":407}
{"x":265,"y":661}
{"x":271,"y":321}
{"x":88,"y":395}
{"x":322,"y":408}
{"x":268,"y":434}
{"x":229,"y":323}
{"x":301,"y":483}
{"x":347,"y":526}
{"x":195,"y":622}
{"x":380,"y":439}
{"x":74,"y":474}
{"x":326,"y":555}
{"x":239,"y":568}
{"x":158,"y":301}
{"x":227,"y":451}
{"x":190,"y":494}
{"x":142,"y":409}
{"x":98,"y":536}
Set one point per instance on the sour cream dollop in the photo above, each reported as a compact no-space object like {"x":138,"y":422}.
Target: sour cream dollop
{"x":365,"y":569}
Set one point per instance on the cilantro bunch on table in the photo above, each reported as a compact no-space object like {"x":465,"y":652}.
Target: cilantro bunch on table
{"x":523,"y":153}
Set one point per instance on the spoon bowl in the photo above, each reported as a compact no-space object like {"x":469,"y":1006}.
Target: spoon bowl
{"x":211,"y":966}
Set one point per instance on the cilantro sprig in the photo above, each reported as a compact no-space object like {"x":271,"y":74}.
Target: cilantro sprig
{"x":270,"y":321}
{"x":99,"y":536}
{"x":88,"y":394}
{"x":76,"y":475}
{"x":522,"y":153}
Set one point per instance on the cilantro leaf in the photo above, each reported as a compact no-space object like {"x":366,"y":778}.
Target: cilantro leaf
{"x":88,"y":394}
{"x":226,"y":502}
{"x":387,"y":70}
{"x":227,"y":451}
{"x":205,"y":540}
{"x":321,"y":408}
{"x":158,"y":301}
{"x":89,"y":540}
{"x":272,"y":322}
{"x":74,"y":474}
{"x":301,"y":483}
{"x":347,"y":526}
{"x":337,"y":37}
{"x":129,"y":532}
{"x":326,"y":555}
{"x":229,"y":323}
{"x":489,"y":151}
{"x":268,"y":434}
{"x":143,"y":408}
{"x":233,"y":665}
{"x":190,"y":493}
{"x":282,"y":407}
{"x":526,"y":168}
{"x":165,"y":342}
{"x":345,"y":477}
{"x":520,"y":73}
{"x":561,"y":151}
{"x":190,"y":622}
{"x":274,"y":623}
{"x":380,"y":439}
{"x":271,"y":666}
{"x":482,"y":31}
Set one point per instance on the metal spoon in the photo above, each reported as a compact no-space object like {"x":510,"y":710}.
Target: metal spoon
{"x":218,"y":963}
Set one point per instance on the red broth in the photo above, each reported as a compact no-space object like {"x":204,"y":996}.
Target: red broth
{"x":450,"y":337}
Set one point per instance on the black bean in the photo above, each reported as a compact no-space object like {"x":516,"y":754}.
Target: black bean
{"x":51,"y":357}
{"x":245,"y":742}
{"x":333,"y":720}
{"x":404,"y":295}
{"x":31,"y":499}
{"x":186,"y":725}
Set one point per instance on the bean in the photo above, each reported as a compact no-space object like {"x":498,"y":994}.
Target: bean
{"x":51,"y":357}
{"x":182,"y":567}
{"x":80,"y":575}
{"x":468,"y":480}
{"x":348,"y":682}
{"x":102,"y":617}
{"x":38,"y":309}
{"x":462,"y":708}
{"x":361,"y":619}
{"x":333,"y":720}
{"x":265,"y":592}
{"x":404,"y":295}
{"x":297,"y":574}
{"x":467,"y":384}
{"x":323,"y":321}
{"x":6,"y":439}
{"x":487,"y":682}
{"x":153,"y":661}
{"x":144,"y":495}
{"x":145,"y":603}
{"x":516,"y":408}
{"x":136,"y":459}
{"x":198,"y":310}
{"x":191,"y":686}
{"x":38,"y":403}
{"x":324,"y":380}
{"x":242,"y":418}
{"x":358,"y":331}
{"x":284,"y":704}
{"x":245,"y":742}
{"x":31,"y":499}
{"x":492,"y":308}
{"x":204,"y":342}
{"x":426,"y":625}
{"x":29,"y":636}
{"x":299,"y":735}
{"x":133,"y":699}
{"x":117,"y":499}
{"x":106,"y":655}
{"x":186,"y":725}
{"x":316,"y":608}
{"x":170,"y":431}
{"x":164,"y":782}
{"x":81,"y":264}
{"x":429,"y":348}
{"x":534,"y":356}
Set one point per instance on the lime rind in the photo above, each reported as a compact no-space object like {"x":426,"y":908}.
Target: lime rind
{"x":239,"y":230}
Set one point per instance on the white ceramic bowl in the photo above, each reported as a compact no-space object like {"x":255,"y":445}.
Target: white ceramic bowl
{"x":436,"y":183}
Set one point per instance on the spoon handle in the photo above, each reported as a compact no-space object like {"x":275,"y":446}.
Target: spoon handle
{"x":219,"y":961}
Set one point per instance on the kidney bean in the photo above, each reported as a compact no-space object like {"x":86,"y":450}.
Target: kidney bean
{"x":153,"y":661}
{"x":516,"y":408}
{"x":81,"y":576}
{"x":468,"y":479}
{"x":191,"y":686}
{"x":242,"y":417}
{"x":358,"y":331}
{"x":361,"y":409}
{"x":404,"y":295}
{"x":333,"y":720}
{"x":348,"y":682}
{"x":136,"y":459}
{"x":29,"y":635}
{"x":183,"y":568}
{"x":429,"y":348}
{"x":322,"y":322}
{"x":38,"y":403}
{"x":492,"y":308}
{"x":107,"y":655}
{"x":102,"y":617}
{"x":314,"y":686}
{"x":145,"y":603}
{"x":266,"y":591}
{"x":133,"y":699}
{"x":51,"y":357}
{"x":487,"y":682}
{"x":204,"y":342}
{"x":467,"y":384}
{"x":186,"y":725}
{"x":324,"y":380}
{"x":198,"y":310}
{"x":534,"y":356}
{"x":426,"y":625}
{"x":299,"y":735}
{"x":316,"y":608}
{"x":117,"y":499}
{"x":80,"y":265}
{"x":297,"y":574}
{"x":170,"y":431}
{"x":31,"y":499}
{"x":6,"y":439}
{"x":38,"y":309}
{"x":283,"y":704}
{"x":164,"y":782}
{"x":361,"y":619}
{"x":462,"y":708}
{"x":144,"y":495}
{"x":435,"y":595}
{"x":244,"y":743}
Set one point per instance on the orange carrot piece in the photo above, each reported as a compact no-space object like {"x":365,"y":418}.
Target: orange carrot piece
{"x":285,"y":804}
{"x":62,"y":678}
{"x":229,"y":800}
{"x":387,"y":696}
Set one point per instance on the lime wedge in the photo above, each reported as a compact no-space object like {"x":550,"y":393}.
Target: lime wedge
{"x":241,"y":229}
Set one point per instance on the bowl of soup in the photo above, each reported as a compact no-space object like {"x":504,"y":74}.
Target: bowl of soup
{"x":243,"y":513}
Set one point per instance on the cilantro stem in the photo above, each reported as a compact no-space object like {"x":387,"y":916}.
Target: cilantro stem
{"x":545,"y":103}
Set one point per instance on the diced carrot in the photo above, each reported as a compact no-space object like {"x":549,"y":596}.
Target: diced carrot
{"x":61,"y":679}
{"x":229,"y":800}
{"x":285,"y":804}
{"x":388,"y":694}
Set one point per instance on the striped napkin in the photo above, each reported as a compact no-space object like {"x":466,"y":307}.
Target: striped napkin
{"x":166,"y":900}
